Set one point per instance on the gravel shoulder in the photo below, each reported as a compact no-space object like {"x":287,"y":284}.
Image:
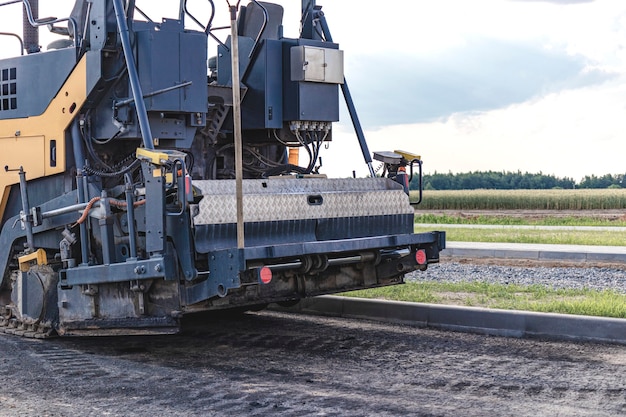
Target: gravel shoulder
{"x":551,"y":274}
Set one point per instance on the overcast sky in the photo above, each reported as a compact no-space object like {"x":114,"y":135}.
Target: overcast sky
{"x":530,"y":85}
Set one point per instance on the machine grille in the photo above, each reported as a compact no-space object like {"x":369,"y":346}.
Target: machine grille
{"x":8,"y":89}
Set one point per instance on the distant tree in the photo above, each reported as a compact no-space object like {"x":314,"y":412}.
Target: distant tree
{"x":493,"y":180}
{"x":605,"y":181}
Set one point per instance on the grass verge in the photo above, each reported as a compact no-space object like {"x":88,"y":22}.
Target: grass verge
{"x":509,"y":297}
{"x":558,"y":237}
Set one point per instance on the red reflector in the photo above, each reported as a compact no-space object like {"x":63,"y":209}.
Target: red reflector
{"x":420,"y":257}
{"x":265,"y":274}
{"x":188,"y":188}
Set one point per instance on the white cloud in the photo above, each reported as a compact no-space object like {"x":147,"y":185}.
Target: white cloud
{"x":564,"y":129}
{"x":570,"y":133}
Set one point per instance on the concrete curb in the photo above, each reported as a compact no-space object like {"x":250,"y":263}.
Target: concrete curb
{"x":519,"y":324}
{"x":573,"y":253}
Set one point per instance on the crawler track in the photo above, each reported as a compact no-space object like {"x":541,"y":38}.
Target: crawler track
{"x":277,"y":363}
{"x":10,"y":325}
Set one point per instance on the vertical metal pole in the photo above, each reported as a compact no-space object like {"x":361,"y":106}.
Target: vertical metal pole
{"x":30,"y":32}
{"x":307,"y":29}
{"x":357,"y":126}
{"x":106,"y":231}
{"x":84,"y":238}
{"x":140,"y":105}
{"x":234,"y":53}
{"x":77,"y":146}
{"x":307,"y":5}
{"x":130,"y":215}
{"x":28,"y":224}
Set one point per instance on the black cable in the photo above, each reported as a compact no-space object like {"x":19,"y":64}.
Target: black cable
{"x":284,"y":169}
{"x":136,"y":163}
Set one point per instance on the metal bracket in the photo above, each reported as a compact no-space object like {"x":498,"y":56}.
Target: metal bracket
{"x":39,"y":256}
{"x":223,"y":275}
{"x":159,"y":157}
{"x":132,"y":270}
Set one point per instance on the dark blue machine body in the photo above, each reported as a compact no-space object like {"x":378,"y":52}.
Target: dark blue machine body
{"x":137,"y":225}
{"x":156,"y":45}
{"x":308,"y":100}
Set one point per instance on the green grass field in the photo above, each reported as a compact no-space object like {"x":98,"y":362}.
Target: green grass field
{"x":584,"y":208}
{"x":588,"y":199}
{"x":510,"y":297}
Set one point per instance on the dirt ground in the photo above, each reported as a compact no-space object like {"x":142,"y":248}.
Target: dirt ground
{"x":271,"y":363}
{"x":281,"y":364}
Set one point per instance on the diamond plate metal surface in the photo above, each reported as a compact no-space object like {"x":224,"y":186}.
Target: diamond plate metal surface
{"x":296,"y":198}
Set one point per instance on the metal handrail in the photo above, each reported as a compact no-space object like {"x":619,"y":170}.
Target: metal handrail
{"x":141,"y":12}
{"x":420,"y":180}
{"x":266,"y":18}
{"x":208,"y":29}
{"x":15,"y":36}
{"x":6,"y":3}
{"x":10,"y":2}
{"x":196,"y":21}
{"x":45,"y":22}
{"x":36,"y":23}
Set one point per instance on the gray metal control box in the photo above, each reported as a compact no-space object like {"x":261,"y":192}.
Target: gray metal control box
{"x":314,"y":64}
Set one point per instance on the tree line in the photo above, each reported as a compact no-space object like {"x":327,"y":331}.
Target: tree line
{"x":514,"y":181}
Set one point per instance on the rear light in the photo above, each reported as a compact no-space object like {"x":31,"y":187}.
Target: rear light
{"x":265,"y":275}
{"x":188,"y":188}
{"x":420,"y":257}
